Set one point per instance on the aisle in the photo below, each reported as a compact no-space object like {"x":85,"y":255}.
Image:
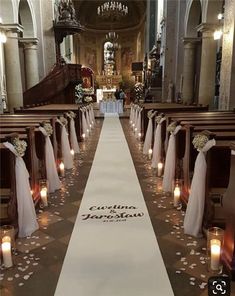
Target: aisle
{"x":113,"y":249}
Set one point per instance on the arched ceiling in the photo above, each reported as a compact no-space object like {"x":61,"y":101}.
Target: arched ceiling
{"x":86,"y":11}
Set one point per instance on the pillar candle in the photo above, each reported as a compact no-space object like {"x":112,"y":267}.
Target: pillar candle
{"x":150,"y":153}
{"x":43,"y":194}
{"x":6,"y":253}
{"x":62,"y":169}
{"x":176,"y":196}
{"x":159,"y":169}
{"x":215,"y":254}
{"x":72,"y":152}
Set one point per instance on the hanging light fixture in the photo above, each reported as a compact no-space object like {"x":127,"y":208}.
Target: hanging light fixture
{"x":113,"y":38}
{"x":113,"y":10}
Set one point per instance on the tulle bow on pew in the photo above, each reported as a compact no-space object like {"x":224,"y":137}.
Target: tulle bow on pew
{"x":157,"y":146}
{"x":52,"y":175}
{"x":85,"y":129}
{"x":65,"y":147}
{"x":27,"y":221}
{"x":149,"y":133}
{"x":169,"y":172}
{"x":195,"y":207}
{"x":138,"y":123}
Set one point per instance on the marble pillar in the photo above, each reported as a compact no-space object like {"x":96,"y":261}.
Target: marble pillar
{"x":188,"y":78}
{"x":12,"y":64}
{"x":208,"y":65}
{"x":31,"y":61}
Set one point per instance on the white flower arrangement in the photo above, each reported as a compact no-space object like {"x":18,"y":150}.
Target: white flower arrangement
{"x":139,"y":90}
{"x":48,"y":128}
{"x":20,"y":146}
{"x":158,"y":118}
{"x":199,"y":141}
{"x":149,"y":114}
{"x":71,"y":114}
{"x":171,"y":127}
{"x":63,"y":120}
{"x":88,"y":99}
{"x":78,"y":93}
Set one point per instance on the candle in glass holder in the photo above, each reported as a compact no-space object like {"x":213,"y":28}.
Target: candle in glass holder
{"x":43,"y":194}
{"x":215,"y":254}
{"x":139,"y":136}
{"x":72,"y":152}
{"x":6,"y":254}
{"x":159,"y":169}
{"x":176,"y":196}
{"x":135,"y":129}
{"x":83,"y":136}
{"x":150,"y":153}
{"x":61,"y":169}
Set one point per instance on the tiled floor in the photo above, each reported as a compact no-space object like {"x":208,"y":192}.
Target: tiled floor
{"x":38,"y":260}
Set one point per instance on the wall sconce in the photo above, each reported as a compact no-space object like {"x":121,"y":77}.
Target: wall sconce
{"x":217,"y":34}
{"x":220,"y":16}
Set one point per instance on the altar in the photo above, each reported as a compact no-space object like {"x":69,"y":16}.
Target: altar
{"x":111,"y":106}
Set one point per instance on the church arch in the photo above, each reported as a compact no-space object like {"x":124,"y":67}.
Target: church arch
{"x":27,"y":19}
{"x":193,"y":17}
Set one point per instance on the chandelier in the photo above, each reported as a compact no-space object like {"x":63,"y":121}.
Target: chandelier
{"x":112,"y":37}
{"x":113,"y":10}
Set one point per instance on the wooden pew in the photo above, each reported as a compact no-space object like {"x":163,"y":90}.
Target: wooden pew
{"x":34,"y":158}
{"x":8,"y":205}
{"x":167,"y":108}
{"x":58,"y":109}
{"x":228,"y":255}
{"x":13,"y":121}
{"x":217,"y":160}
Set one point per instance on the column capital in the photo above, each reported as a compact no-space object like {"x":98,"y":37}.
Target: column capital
{"x":12,"y":28}
{"x":207,"y":27}
{"x":29,"y":43}
{"x":190,"y":42}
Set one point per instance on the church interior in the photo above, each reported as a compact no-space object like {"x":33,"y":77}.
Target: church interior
{"x":117,"y":147}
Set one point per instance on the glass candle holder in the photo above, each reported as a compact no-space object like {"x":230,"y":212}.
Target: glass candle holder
{"x":8,"y":231}
{"x":43,"y":186}
{"x":215,"y":241}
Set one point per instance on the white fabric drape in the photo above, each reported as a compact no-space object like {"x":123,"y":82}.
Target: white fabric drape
{"x":135,"y":117}
{"x":148,"y":137}
{"x":27,"y":221}
{"x":195,"y":207}
{"x":169,"y":171}
{"x":65,"y":148}
{"x":84,"y":124}
{"x":52,"y":175}
{"x":90,"y":115}
{"x":157,"y":146}
{"x":73,"y":136}
{"x":88,"y":119}
{"x":138,"y":124}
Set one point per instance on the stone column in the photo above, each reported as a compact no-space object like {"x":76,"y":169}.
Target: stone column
{"x":208,"y":65}
{"x":12,"y":63}
{"x":187,"y":81}
{"x":31,"y":61}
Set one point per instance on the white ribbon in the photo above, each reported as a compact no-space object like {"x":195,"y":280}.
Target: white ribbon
{"x":52,"y":175}
{"x":148,"y":137}
{"x":87,"y":119}
{"x":169,"y":171}
{"x":65,"y":147}
{"x":84,"y":124}
{"x":195,"y":207}
{"x":138,"y":125}
{"x":90,"y":115}
{"x":73,"y":136}
{"x":157,"y":146}
{"x":27,"y":221}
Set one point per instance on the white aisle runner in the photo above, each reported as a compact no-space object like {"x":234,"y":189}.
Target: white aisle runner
{"x":113,"y":250}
